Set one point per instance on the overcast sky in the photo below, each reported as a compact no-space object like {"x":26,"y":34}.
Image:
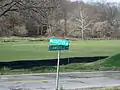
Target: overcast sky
{"x":99,"y":0}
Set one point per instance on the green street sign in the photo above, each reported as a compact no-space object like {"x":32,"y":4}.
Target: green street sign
{"x":58,"y":44}
{"x":58,"y":47}
{"x":56,"y":41}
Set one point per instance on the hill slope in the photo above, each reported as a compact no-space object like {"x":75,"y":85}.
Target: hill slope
{"x":110,"y":63}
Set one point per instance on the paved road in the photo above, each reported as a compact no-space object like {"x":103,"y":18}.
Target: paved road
{"x":67,"y":81}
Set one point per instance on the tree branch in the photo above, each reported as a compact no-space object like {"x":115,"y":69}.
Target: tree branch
{"x":8,"y":9}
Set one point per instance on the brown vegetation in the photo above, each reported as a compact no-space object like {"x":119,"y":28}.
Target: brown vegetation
{"x":55,"y":17}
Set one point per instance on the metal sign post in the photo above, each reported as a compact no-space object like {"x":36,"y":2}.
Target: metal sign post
{"x":58,"y":44}
{"x":57,"y":76}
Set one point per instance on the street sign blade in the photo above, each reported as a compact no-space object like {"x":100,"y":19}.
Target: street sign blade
{"x":58,"y":47}
{"x":55,"y":41}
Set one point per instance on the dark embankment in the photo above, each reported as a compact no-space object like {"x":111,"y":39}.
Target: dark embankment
{"x":51,"y":62}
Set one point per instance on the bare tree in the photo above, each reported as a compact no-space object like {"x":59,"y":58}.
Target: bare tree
{"x":82,"y":21}
{"x":38,"y":10}
{"x":107,"y":10}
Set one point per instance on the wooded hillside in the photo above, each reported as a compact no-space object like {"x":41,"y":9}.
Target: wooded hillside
{"x":53,"y":17}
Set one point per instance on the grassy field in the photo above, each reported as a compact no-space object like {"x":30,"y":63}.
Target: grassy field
{"x":37,"y":50}
{"x":103,"y":88}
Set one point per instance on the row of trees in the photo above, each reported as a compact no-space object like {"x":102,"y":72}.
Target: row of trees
{"x":59,"y":17}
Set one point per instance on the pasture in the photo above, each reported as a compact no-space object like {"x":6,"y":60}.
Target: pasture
{"x":38,"y":50}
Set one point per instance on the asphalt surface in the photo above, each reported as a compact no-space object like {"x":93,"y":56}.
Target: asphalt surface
{"x":67,"y":80}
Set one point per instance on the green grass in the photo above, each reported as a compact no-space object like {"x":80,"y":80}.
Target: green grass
{"x":103,"y":88}
{"x":24,"y":49}
{"x":110,"y":63}
{"x":13,"y":49}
